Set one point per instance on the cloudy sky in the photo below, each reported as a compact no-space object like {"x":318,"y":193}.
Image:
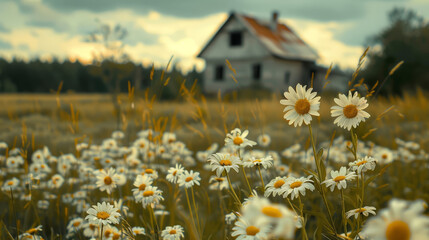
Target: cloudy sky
{"x":158,"y":29}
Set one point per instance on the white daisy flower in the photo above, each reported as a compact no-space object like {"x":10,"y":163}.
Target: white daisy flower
{"x":274,"y":187}
{"x":230,"y":218}
{"x":118,"y":135}
{"x":11,"y":184}
{"x":300,"y":105}
{"x":150,"y":173}
{"x":221,"y":162}
{"x":189,"y":179}
{"x":250,"y":229}
{"x":74,"y":225}
{"x":103,"y":213}
{"x":106,"y":181}
{"x":363,"y":165}
{"x":349,"y":111}
{"x":138,"y":231}
{"x":280,"y":217}
{"x":282,"y":169}
{"x":402,"y":220}
{"x":172,"y":233}
{"x":385,"y":155}
{"x":238,"y":140}
{"x":339,"y":179}
{"x":56,"y":181}
{"x":253,"y":161}
{"x":264,"y":140}
{"x":168,"y":138}
{"x":141,"y":183}
{"x":296,"y":186}
{"x":218,"y":183}
{"x":364,"y":211}
{"x":174,"y":173}
{"x":151,"y":195}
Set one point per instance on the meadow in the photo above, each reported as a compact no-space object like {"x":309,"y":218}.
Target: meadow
{"x":187,"y":169}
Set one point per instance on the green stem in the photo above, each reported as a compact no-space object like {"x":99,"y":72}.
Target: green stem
{"x":156,"y":229}
{"x":244,"y":172}
{"x":195,"y":209}
{"x":320,"y":179}
{"x":301,"y":208}
{"x":262,"y":180}
{"x":232,"y":189}
{"x":101,"y":232}
{"x":14,"y":214}
{"x":344,"y":213}
{"x":190,"y":209}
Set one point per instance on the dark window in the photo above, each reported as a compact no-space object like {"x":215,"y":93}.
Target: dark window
{"x":219,"y":73}
{"x":287,"y":77}
{"x":256,"y":71}
{"x":236,"y":39}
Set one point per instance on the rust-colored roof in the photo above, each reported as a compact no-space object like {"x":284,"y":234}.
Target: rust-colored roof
{"x":280,"y":40}
{"x":265,"y":31}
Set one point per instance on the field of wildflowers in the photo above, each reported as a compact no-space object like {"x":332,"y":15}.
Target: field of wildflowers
{"x":348,"y":166}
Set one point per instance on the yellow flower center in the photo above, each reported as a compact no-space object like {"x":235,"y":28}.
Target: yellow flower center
{"x":96,"y":158}
{"x":142,"y":187}
{"x":339,"y":178}
{"x":108,"y":180}
{"x":116,"y":236}
{"x":219,"y":179}
{"x":10,"y":183}
{"x":188,"y":179}
{"x":103,"y":215}
{"x":279,"y":183}
{"x":13,"y":162}
{"x":384,"y":156}
{"x":296,"y":184}
{"x":271,"y":211}
{"x":147,"y":193}
{"x":76,"y":224}
{"x":398,"y":230}
{"x":92,"y":227}
{"x":225,"y":162}
{"x":172,"y":231}
{"x":142,"y":145}
{"x":350,"y":111}
{"x":359,"y":210}
{"x":252,"y":230}
{"x":31,"y":231}
{"x":107,"y":233}
{"x":238,"y":140}
{"x":148,"y":171}
{"x":361,"y":162}
{"x":174,"y":173}
{"x":302,"y":106}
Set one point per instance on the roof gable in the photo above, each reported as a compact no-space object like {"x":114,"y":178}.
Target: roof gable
{"x":281,"y":43}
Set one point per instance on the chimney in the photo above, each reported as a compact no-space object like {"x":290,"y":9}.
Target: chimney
{"x":273,"y":24}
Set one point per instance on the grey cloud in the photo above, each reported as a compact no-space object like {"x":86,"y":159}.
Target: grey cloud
{"x":329,"y":10}
{"x":4,"y":29}
{"x":5,"y":45}
{"x":138,"y":35}
{"x":58,"y":26}
{"x":23,"y":47}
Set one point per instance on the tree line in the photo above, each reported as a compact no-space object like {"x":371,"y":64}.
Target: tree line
{"x":37,"y":76}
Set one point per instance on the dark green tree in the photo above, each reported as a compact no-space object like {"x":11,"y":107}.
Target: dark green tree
{"x":405,"y":39}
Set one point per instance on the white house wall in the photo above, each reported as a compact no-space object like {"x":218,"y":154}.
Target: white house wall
{"x":273,"y":73}
{"x":220,"y":49}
